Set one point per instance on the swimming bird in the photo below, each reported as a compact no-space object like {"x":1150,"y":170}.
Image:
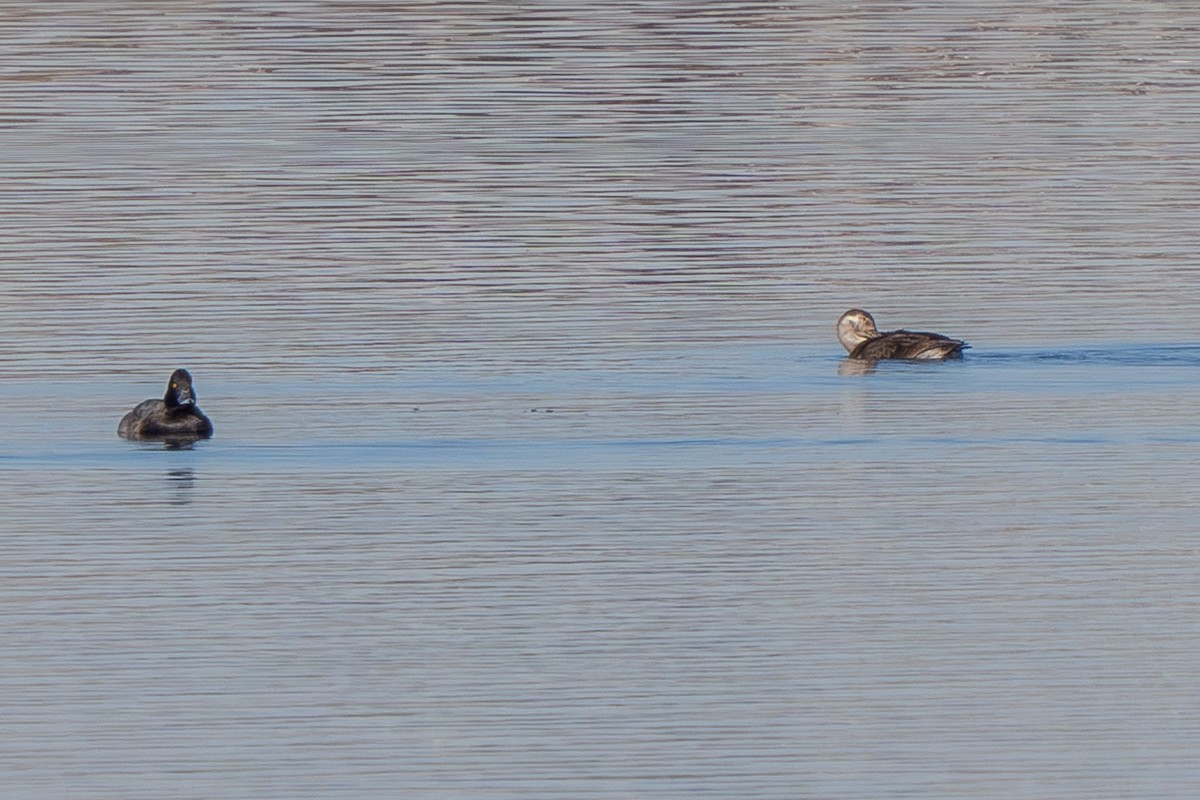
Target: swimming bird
{"x":856,"y":331}
{"x":174,"y":418}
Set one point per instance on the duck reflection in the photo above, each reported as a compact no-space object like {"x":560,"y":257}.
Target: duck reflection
{"x":181,"y":482}
{"x":850,"y":366}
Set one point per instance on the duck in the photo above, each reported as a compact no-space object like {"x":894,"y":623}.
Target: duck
{"x":857,"y":333}
{"x":174,"y":418}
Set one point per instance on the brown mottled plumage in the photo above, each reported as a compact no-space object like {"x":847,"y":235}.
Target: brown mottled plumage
{"x":856,"y":331}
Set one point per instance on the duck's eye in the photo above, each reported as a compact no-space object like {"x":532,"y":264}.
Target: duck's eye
{"x":174,"y":385}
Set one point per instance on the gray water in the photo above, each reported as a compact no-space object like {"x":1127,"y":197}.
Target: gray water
{"x":538,"y":471}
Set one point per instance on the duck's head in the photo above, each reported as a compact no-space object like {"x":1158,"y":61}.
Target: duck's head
{"x":855,"y":327}
{"x":179,"y":390}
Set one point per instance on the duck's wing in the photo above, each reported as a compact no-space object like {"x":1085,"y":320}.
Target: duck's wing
{"x":130,"y":424}
{"x":912,"y":345}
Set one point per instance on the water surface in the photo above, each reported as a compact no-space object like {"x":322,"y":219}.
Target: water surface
{"x":538,"y":471}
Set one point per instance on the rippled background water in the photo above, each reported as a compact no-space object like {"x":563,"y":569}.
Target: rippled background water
{"x":538,"y":470}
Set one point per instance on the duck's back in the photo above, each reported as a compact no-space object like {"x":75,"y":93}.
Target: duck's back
{"x":911,"y":345}
{"x":130,"y":426}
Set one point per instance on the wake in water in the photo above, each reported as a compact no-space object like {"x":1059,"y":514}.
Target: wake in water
{"x":1148,"y":355}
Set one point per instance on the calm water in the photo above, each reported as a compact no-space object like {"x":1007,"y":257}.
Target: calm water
{"x":538,"y":469}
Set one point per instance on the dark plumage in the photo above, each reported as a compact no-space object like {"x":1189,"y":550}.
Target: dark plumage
{"x":174,"y":418}
{"x":856,"y":331}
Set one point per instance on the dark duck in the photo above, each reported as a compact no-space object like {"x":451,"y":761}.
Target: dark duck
{"x":857,"y":333}
{"x":174,"y":418}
